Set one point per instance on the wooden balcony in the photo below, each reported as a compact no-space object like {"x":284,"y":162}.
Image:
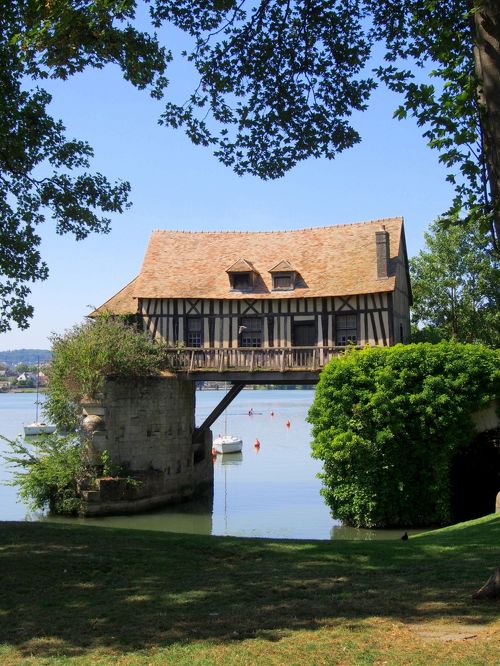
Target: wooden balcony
{"x":252,"y":365}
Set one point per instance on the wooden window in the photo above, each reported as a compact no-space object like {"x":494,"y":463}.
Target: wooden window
{"x":282,"y":282}
{"x":251,"y":332}
{"x":241,"y":281}
{"x":193,"y":332}
{"x":346,"y":327}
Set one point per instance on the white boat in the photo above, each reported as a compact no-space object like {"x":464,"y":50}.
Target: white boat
{"x":228,"y":444}
{"x":38,"y":428}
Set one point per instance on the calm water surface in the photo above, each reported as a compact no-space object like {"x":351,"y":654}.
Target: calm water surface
{"x":270,"y":492}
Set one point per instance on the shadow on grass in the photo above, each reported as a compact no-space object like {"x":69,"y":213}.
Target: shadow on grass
{"x":66,"y":589}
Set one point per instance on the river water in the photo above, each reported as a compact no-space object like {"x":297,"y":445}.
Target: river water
{"x":272,"y":491}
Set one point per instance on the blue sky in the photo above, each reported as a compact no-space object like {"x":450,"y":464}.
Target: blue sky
{"x":176,"y":185}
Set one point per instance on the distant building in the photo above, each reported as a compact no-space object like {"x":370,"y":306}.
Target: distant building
{"x":42,"y":379}
{"x":319,"y":287}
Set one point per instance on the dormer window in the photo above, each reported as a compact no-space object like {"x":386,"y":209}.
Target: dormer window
{"x":241,"y":281}
{"x":282,"y":281}
{"x":241,"y":275}
{"x":283,"y":276}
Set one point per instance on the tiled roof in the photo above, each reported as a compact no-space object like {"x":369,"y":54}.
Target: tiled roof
{"x":330,"y":261}
{"x":240,"y":266}
{"x":283,"y":267}
{"x":121,"y":303}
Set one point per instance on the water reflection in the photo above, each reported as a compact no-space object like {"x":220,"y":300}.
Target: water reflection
{"x":194,"y":517}
{"x":230,"y":459}
{"x":343,"y":532}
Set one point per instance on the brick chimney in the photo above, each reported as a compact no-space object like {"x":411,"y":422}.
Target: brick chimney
{"x":382,"y":249}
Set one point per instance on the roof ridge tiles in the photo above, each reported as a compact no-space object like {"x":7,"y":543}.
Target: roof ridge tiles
{"x":280,"y":231}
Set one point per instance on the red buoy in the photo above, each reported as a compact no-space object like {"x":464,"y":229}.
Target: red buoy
{"x":288,"y":424}
{"x":256,"y":444}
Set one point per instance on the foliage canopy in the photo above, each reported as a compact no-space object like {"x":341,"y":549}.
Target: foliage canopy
{"x":387,"y":423}
{"x":51,"y":469}
{"x":43,"y":173}
{"x":278,"y":83}
{"x":456,"y":287}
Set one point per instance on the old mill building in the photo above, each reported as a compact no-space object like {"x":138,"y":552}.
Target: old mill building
{"x":320,"y":287}
{"x":244,"y":308}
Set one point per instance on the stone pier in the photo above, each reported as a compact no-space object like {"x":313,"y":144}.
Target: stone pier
{"x":146,"y":429}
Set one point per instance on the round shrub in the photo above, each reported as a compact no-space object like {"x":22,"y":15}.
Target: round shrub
{"x":387,"y":423}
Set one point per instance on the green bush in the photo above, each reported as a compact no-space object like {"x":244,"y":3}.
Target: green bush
{"x":87,"y":354}
{"x":387,"y":422}
{"x":53,"y":468}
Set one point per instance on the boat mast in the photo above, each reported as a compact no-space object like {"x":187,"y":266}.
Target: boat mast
{"x":37,"y":381}
{"x":225,"y":413}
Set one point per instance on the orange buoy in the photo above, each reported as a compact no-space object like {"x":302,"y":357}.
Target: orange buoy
{"x":256,"y":444}
{"x":288,"y":424}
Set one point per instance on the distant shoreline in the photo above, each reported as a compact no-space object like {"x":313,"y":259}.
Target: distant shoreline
{"x":21,"y":390}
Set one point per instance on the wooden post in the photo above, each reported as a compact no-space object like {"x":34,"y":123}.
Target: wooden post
{"x":225,"y":402}
{"x":191,"y":364}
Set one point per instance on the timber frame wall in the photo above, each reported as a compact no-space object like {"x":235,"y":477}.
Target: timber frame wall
{"x":379,"y":322}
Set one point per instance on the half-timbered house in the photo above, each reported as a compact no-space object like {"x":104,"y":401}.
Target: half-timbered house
{"x":318,"y":287}
{"x":246,"y":308}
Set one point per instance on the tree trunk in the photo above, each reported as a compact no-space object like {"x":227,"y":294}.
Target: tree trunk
{"x":487,"y":61}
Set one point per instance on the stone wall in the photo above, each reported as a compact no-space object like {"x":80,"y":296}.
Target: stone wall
{"x":487,"y":418}
{"x":146,"y":427}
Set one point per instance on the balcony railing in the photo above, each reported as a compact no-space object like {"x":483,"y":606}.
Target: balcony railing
{"x":246,"y":359}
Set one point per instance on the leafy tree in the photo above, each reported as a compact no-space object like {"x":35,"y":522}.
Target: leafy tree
{"x":49,"y":472}
{"x":456,"y":287}
{"x":278,"y":82}
{"x":43,"y":173}
{"x":388,"y":424}
{"x":281,"y":79}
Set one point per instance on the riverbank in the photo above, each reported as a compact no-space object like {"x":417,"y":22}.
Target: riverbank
{"x":21,"y":390}
{"x":84,"y":595}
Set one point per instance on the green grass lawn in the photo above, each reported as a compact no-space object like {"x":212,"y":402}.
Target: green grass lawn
{"x":84,"y":595}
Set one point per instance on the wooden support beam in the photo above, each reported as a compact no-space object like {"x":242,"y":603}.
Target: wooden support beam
{"x":225,"y":402}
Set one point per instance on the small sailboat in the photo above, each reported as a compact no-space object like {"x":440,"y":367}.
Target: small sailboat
{"x":227,"y":443}
{"x":38,"y":427}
